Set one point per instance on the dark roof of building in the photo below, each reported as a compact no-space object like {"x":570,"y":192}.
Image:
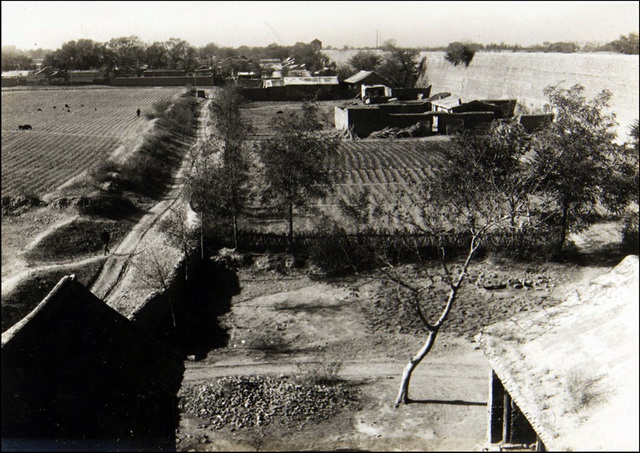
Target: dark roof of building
{"x":573,"y":369}
{"x":71,"y":321}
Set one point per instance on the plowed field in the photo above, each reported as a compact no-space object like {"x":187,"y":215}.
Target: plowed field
{"x":66,"y":141}
{"x":391,"y":170}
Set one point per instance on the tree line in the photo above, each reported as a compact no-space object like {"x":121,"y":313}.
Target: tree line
{"x":174,"y":53}
{"x":626,"y":44}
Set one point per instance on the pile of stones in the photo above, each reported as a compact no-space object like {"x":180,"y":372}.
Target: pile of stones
{"x":241,"y":402}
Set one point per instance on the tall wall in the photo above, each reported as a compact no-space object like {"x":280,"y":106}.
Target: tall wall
{"x":523,"y":75}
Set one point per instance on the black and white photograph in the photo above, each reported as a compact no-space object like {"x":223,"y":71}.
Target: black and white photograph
{"x":320,"y":226}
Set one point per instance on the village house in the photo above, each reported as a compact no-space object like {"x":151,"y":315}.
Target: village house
{"x":58,"y":77}
{"x":370,"y":78}
{"x":445,"y":104}
{"x":230,"y":66}
{"x":14,"y":78}
{"x":435,"y":115}
{"x":535,"y":122}
{"x":125,"y":71}
{"x":203,"y":70}
{"x":76,"y":373}
{"x":566,"y":377}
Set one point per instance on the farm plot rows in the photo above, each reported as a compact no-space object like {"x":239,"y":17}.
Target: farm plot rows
{"x":391,"y":170}
{"x":66,"y":141}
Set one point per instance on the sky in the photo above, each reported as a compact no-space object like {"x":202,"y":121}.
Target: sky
{"x":32,"y":25}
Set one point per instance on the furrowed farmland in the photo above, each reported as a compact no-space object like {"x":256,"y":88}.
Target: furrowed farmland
{"x":85,"y":125}
{"x":388,"y":169}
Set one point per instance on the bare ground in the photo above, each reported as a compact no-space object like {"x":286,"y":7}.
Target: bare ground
{"x":279,"y":322}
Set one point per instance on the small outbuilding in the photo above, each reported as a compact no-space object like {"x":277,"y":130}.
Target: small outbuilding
{"x":566,"y":377}
{"x":356,"y":81}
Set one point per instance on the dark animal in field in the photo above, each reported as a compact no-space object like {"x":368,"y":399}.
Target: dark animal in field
{"x":54,"y":106}
{"x":81,"y":105}
{"x":279,"y":111}
{"x":39,"y":110}
{"x":96,"y":110}
{"x":68,"y":110}
{"x":25,"y":127}
{"x":66,"y":105}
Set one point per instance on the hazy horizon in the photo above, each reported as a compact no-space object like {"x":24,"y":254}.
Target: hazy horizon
{"x":47,"y":25}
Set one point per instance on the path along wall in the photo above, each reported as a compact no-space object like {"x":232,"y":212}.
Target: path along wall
{"x":524,"y":75}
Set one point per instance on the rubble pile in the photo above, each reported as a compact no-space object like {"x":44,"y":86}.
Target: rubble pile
{"x":241,"y":402}
{"x":395,"y":132}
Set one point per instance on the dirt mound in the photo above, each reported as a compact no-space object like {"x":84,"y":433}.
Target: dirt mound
{"x":20,"y":204}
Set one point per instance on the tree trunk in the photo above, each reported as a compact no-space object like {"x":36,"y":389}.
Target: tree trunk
{"x":403,"y":393}
{"x":235,"y":231}
{"x":290,"y":224}
{"x":563,"y":225}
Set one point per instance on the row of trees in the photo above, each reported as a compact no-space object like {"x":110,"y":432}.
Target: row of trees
{"x":175,"y":53}
{"x":462,"y":53}
{"x":293,"y":165}
{"x":627,"y":44}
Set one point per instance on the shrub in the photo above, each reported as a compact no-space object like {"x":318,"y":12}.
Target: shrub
{"x":101,"y":171}
{"x":318,"y":373}
{"x":18,"y":205}
{"x":106,"y":205}
{"x":158,"y":109}
{"x":581,"y":390}
{"x":459,"y":53}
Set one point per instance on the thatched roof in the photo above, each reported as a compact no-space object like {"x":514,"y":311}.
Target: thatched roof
{"x":573,"y":369}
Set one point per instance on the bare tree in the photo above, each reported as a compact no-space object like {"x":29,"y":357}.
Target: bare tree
{"x":474,"y":199}
{"x":175,"y":225}
{"x":296,"y":162}
{"x":154,"y":271}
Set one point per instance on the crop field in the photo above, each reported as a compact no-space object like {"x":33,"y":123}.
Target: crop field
{"x":391,"y":170}
{"x":261,"y":114}
{"x":63,"y":142}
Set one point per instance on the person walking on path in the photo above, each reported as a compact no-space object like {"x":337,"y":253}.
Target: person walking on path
{"x":138,"y":112}
{"x":106,"y":237}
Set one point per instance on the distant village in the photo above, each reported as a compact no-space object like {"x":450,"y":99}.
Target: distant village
{"x":375,"y":104}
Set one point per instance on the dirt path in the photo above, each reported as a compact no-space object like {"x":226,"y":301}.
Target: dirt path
{"x":108,"y":285}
